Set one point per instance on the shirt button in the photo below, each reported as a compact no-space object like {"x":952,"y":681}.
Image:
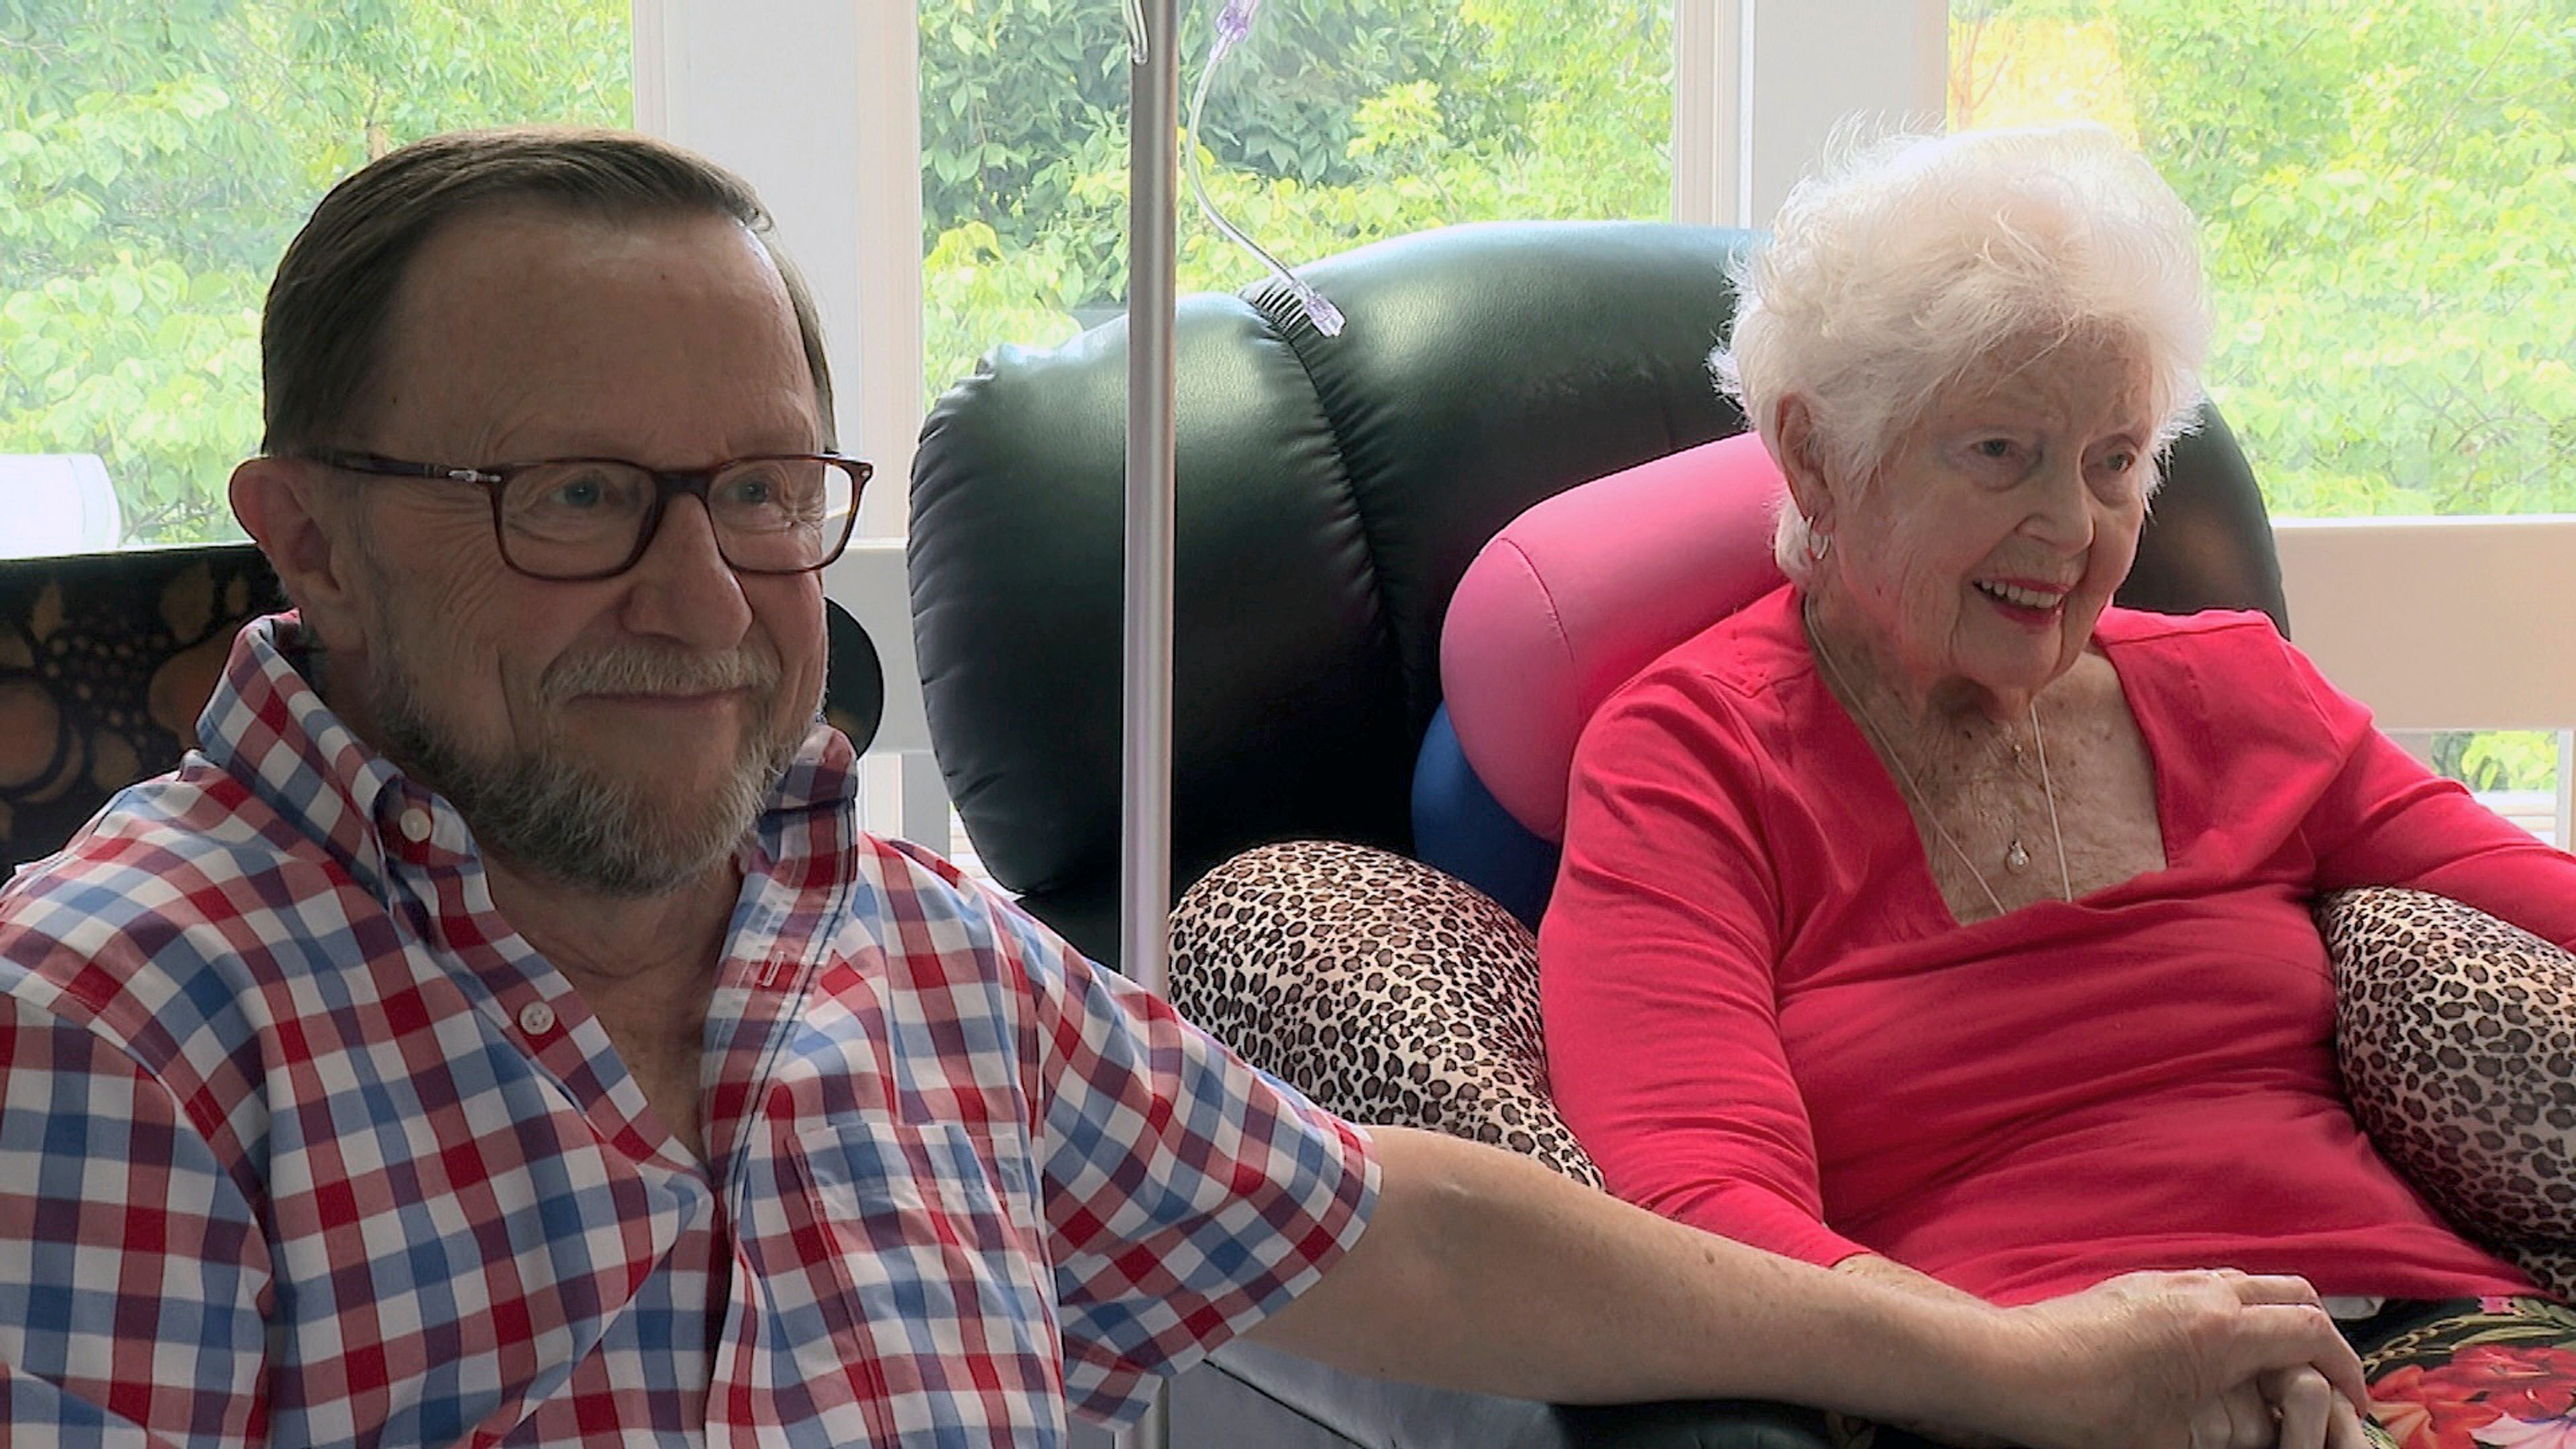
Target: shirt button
{"x":536,"y":1018}
{"x":415,"y":825}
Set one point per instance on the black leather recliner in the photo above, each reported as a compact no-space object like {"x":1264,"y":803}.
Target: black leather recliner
{"x":1332,"y":490}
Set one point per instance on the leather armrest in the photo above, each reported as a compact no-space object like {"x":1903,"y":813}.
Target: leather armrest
{"x":1248,"y":1396}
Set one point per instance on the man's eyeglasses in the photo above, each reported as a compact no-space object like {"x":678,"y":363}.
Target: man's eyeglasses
{"x":572,"y":519}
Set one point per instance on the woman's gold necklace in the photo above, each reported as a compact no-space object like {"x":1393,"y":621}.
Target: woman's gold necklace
{"x":2016,"y":856}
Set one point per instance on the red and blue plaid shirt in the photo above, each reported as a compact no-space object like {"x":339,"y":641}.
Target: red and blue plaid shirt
{"x":302,"y":1144}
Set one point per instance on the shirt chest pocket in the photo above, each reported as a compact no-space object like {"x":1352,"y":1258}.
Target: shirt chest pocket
{"x":930,"y":1273}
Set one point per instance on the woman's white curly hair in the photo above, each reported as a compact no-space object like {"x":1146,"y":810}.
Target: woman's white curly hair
{"x":1897,"y":272}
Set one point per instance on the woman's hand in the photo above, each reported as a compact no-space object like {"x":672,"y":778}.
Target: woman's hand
{"x":2204,"y":1360}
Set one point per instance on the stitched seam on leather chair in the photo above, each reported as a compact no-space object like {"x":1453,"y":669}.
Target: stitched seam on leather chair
{"x":1268,"y":300}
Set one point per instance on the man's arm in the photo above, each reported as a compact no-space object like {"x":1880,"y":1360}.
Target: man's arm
{"x":1482,"y":1271}
{"x":1890,"y":1273}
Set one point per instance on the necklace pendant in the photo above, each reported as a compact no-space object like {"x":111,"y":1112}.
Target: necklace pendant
{"x":2016,"y":858}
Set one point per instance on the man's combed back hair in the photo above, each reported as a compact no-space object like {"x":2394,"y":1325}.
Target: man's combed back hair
{"x":1900,"y":271}
{"x":322,"y":336}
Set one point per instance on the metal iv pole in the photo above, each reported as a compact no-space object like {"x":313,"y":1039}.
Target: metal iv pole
{"x":1145,"y":873}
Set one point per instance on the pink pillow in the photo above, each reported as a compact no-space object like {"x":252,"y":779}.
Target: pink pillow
{"x":1576,"y":595}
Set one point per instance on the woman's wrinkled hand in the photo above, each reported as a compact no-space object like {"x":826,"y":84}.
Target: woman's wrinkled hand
{"x":2198,"y":1360}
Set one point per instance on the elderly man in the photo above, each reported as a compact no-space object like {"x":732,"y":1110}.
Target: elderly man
{"x":502,"y":1032}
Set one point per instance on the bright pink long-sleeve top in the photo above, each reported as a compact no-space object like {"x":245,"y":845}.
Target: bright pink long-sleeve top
{"x":1763,"y":1020}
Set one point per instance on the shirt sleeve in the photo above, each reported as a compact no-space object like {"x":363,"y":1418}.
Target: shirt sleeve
{"x":1187,"y":1195}
{"x":2386,"y":819}
{"x":1656,"y":974}
{"x":131,"y":1268}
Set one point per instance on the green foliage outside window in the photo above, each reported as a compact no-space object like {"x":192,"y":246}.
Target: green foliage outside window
{"x":155,"y":155}
{"x":2388,"y":200}
{"x":2497,"y":759}
{"x":1341,"y":122}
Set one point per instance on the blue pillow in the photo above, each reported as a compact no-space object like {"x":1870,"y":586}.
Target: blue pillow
{"x":1460,"y":828}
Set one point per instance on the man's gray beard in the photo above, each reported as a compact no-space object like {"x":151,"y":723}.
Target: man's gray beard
{"x":547,"y":814}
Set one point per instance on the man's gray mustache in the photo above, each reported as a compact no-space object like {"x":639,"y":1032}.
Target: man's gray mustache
{"x":652,"y":671}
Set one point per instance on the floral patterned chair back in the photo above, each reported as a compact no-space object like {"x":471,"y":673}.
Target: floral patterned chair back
{"x":105,"y":661}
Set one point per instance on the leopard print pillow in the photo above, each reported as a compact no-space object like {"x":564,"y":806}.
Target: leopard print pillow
{"x":1381,"y":988}
{"x":2458,"y":1038}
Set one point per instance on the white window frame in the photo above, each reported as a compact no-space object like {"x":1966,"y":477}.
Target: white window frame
{"x":817,"y":102}
{"x":1743,"y":132}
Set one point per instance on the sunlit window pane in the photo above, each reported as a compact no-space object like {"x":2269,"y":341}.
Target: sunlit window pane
{"x":2515,"y":773}
{"x":2387,"y":190}
{"x":154,"y":159}
{"x":1336,"y":124}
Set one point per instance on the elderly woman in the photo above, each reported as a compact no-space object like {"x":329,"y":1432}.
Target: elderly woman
{"x":1934,"y":919}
